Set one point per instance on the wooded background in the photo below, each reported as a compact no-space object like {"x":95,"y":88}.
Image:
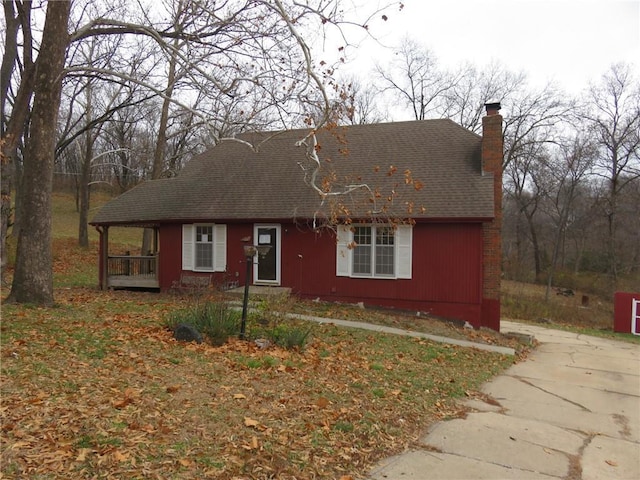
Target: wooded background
{"x":144,"y":89}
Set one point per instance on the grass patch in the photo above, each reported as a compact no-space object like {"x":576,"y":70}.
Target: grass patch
{"x":526,"y":302}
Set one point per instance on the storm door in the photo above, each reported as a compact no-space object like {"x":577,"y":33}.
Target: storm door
{"x":266,"y":269}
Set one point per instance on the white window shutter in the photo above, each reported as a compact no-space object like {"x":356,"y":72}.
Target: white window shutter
{"x":404,"y":235}
{"x":343,"y":252}
{"x":220,"y":248}
{"x":188,"y":241}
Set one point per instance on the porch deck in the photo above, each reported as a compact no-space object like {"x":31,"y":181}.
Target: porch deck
{"x":128,"y":271}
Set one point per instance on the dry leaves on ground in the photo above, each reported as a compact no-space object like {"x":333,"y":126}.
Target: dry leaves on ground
{"x":97,"y":387}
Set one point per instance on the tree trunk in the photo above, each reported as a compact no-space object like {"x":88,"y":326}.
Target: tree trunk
{"x":520,"y":267}
{"x":161,"y":142}
{"x":12,"y":131}
{"x":85,"y":173}
{"x":612,"y":235}
{"x":555,"y":255}
{"x":579,"y":248}
{"x":535,"y":243}
{"x":5,"y":211}
{"x":84,"y":191}
{"x":33,"y":277}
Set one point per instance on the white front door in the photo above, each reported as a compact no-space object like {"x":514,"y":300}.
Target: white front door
{"x":266,"y":268}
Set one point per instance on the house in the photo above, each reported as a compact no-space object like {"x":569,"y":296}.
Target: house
{"x":419,"y":228}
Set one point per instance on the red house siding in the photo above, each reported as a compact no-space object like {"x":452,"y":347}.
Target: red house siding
{"x":446,"y":266}
{"x":446,"y":272}
{"x":170,"y":239}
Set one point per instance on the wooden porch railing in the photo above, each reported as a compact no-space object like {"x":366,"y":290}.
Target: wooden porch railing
{"x":132,"y":271}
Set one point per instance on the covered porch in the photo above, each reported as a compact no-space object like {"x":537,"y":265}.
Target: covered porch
{"x":126,"y":270}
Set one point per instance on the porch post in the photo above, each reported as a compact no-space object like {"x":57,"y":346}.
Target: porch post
{"x":155,"y":240}
{"x":104,"y":258}
{"x":156,"y":257}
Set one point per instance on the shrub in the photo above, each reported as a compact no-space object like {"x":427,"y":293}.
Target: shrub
{"x":215,"y":320}
{"x":289,"y":336}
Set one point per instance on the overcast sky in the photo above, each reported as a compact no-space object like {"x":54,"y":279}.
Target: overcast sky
{"x":566,"y":41}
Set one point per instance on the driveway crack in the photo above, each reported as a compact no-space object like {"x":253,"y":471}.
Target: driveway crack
{"x":552,"y":394}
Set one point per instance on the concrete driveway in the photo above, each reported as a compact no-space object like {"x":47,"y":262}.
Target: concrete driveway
{"x":570,"y":411}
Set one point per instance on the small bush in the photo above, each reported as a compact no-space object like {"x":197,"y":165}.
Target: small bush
{"x":215,"y":320}
{"x":272,"y":308}
{"x":289,"y":336}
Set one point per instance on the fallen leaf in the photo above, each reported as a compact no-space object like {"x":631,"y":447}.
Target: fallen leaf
{"x":612,"y":463}
{"x":20,"y":444}
{"x":250,"y":422}
{"x":239,"y":396}
{"x":322,"y":402}
{"x":120,"y":404}
{"x":131,"y":393}
{"x":173,"y":388}
{"x":82,"y":454}
{"x":120,"y":457}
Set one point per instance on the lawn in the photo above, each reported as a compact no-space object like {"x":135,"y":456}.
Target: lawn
{"x":97,"y":387}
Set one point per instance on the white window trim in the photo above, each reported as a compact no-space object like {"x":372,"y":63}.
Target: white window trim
{"x":219,"y":246}
{"x":403,"y":253}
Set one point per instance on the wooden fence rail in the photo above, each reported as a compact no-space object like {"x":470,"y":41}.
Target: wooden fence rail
{"x":132,"y":271}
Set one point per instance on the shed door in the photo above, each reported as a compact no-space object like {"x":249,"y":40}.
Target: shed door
{"x":267,"y":267}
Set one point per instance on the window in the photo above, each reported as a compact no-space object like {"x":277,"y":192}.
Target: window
{"x":362,"y":251}
{"x":374,"y":251}
{"x":377,"y":251}
{"x":204,"y":248}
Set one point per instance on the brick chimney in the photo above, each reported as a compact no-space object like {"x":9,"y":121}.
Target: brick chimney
{"x":492,"y":156}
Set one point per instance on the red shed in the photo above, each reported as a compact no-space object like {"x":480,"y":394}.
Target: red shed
{"x":404,"y":215}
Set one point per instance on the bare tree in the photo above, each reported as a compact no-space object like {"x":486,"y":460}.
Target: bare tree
{"x":464,"y":102}
{"x":566,"y":169}
{"x":534,"y":117}
{"x":525,"y":186}
{"x":614,"y":119}
{"x":415,"y":78}
{"x":358,"y":105}
{"x":351,"y":103}
{"x":245,"y":47}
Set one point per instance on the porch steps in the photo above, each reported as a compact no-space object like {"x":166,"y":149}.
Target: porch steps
{"x":262,"y":290}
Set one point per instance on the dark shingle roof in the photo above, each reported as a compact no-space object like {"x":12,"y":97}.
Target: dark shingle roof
{"x":231,"y":181}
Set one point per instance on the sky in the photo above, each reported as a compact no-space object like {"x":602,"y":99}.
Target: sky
{"x":569,"y":42}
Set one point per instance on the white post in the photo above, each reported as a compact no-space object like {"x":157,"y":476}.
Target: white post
{"x":635,"y":316}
